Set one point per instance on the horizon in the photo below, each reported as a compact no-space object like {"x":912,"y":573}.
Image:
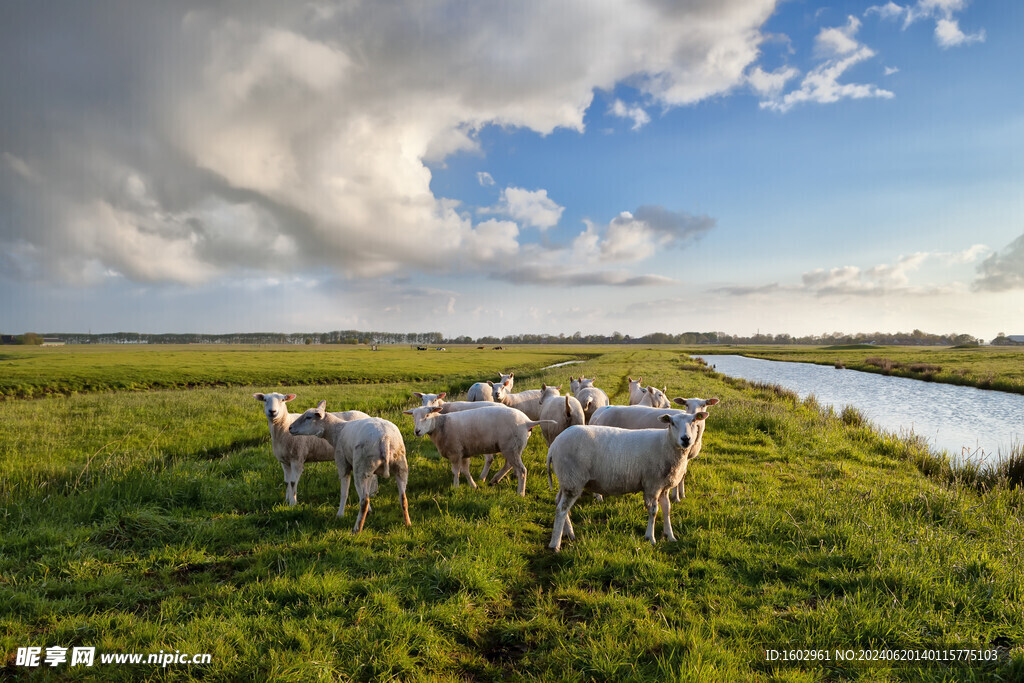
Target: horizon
{"x":746,"y":165}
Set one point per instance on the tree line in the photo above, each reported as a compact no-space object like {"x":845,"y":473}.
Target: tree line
{"x":914,"y":338}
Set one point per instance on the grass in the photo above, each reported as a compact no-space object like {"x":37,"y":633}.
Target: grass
{"x":987,"y":367}
{"x":148,"y":521}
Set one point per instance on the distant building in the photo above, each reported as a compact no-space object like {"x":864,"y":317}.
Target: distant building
{"x":1016,"y":338}
{"x":53,"y":341}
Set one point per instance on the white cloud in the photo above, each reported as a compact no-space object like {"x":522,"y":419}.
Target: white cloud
{"x":840,"y":52}
{"x":633,"y":237}
{"x":890,"y":70}
{"x":769,"y":84}
{"x":948,"y":34}
{"x":947,"y":28}
{"x":634,"y":113}
{"x":484,"y":178}
{"x":532,"y":208}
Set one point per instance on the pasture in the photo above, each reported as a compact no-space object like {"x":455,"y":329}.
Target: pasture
{"x":143,"y":521}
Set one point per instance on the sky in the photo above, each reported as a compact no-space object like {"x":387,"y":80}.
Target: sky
{"x":512,"y":167}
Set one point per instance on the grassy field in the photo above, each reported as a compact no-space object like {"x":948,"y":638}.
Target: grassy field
{"x":986,"y":367}
{"x":140,"y":522}
{"x":32,"y":371}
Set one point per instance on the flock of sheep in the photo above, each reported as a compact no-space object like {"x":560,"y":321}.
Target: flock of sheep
{"x":592,"y":446}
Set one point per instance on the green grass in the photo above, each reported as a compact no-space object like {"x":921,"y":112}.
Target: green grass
{"x":148,"y":521}
{"x":27,"y":372}
{"x":986,"y":367}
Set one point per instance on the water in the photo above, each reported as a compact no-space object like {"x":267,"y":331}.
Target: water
{"x":558,"y":365}
{"x":962,"y":421}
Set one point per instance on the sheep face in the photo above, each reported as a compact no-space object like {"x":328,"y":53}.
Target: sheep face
{"x":501,"y":391}
{"x":311,"y":422}
{"x":423,"y":419}
{"x":692,"y":405}
{"x":430,"y":399}
{"x":682,"y":428}
{"x":274,"y":404}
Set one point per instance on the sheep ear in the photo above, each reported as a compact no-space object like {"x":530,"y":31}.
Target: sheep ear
{"x":559,"y":387}
{"x":639,"y":379}
{"x":511,"y":375}
{"x":289,"y":397}
{"x":679,"y":401}
{"x":712,"y":402}
{"x":259,"y":397}
{"x":628,"y":378}
{"x":490,"y":383}
{"x":434,"y":409}
{"x":665,"y":418}
{"x":407,"y":412}
{"x":543,"y":386}
{"x":442,"y":394}
{"x":417,"y":394}
{"x":700,"y":416}
{"x":321,"y":407}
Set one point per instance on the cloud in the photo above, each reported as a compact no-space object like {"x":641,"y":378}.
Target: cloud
{"x":635,"y":113}
{"x":840,"y":51}
{"x":484,"y":178}
{"x":309,"y":128}
{"x":1002,"y":271}
{"x":575,"y":277}
{"x":633,"y":237}
{"x":532,"y":208}
{"x":947,"y":28}
{"x":948,"y":34}
{"x":769,"y":84}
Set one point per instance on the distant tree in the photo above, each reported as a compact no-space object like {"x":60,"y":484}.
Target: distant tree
{"x":30,"y":339}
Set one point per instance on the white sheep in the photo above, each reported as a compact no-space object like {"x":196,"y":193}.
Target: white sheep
{"x":463,"y":434}
{"x":591,"y":398}
{"x":564,"y":414}
{"x":576,"y":384}
{"x":456,"y":406}
{"x":613,"y":461}
{"x":636,"y":390}
{"x":655,"y":398}
{"x":527,"y":401}
{"x":645,"y":417}
{"x":293,"y":452}
{"x":484,"y":391}
{"x":367,"y":448}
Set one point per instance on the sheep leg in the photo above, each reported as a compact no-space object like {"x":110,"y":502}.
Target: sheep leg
{"x":402,"y":479}
{"x":651,"y":502}
{"x":345,"y":475}
{"x":364,"y":510}
{"x":456,"y":471}
{"x":488,"y":459}
{"x":565,"y":501}
{"x":289,"y":490}
{"x":505,"y":469}
{"x":666,"y":509}
{"x":296,"y":473}
{"x":569,"y":531}
{"x":465,"y":471}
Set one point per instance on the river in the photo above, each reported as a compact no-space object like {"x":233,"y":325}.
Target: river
{"x":965,"y":422}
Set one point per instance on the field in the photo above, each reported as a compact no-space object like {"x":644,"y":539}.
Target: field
{"x":985,"y":367}
{"x":147,"y":521}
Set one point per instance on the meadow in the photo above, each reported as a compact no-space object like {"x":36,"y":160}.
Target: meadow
{"x":147,"y":521}
{"x":985,"y":367}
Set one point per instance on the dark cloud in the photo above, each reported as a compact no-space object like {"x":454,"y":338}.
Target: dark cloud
{"x":1004,"y":270}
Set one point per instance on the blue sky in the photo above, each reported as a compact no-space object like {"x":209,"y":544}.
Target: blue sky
{"x":733,"y":165}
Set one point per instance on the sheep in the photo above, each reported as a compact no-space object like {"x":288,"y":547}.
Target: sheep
{"x":293,"y":452}
{"x":591,"y":398}
{"x":484,"y":391}
{"x":456,"y":406}
{"x":613,"y":461}
{"x":367,"y":447}
{"x":563,"y":414}
{"x":576,"y":384}
{"x":645,"y":417}
{"x":655,"y":398}
{"x":527,"y":401}
{"x":489,"y":429}
{"x":636,"y":390}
